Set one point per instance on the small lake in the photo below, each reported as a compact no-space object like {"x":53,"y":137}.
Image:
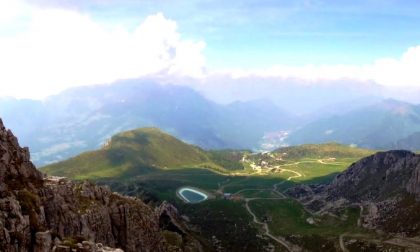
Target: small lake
{"x":191,"y":195}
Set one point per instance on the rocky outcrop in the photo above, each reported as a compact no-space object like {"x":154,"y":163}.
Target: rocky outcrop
{"x":39,"y":213}
{"x":413,"y":185}
{"x":96,"y":214}
{"x":377,"y":177}
{"x":386,"y":186}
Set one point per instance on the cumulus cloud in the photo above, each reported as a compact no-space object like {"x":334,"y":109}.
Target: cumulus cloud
{"x":392,"y":72}
{"x":9,"y":10}
{"x":63,"y":48}
{"x":397,"y":72}
{"x":44,"y":50}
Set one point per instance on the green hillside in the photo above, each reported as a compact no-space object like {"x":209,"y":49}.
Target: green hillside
{"x":149,"y":150}
{"x":137,"y":152}
{"x":327,"y":150}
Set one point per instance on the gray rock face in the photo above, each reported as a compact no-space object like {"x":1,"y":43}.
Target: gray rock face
{"x":385,"y":185}
{"x":413,"y":185}
{"x":377,"y":177}
{"x":40,"y":213}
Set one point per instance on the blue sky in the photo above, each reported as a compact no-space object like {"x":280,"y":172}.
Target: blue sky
{"x":261,"y":33}
{"x":64,"y":43}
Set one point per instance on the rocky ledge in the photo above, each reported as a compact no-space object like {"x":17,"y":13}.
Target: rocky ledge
{"x":39,"y":213}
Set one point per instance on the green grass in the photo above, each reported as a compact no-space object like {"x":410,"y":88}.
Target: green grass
{"x":163,"y":184}
{"x":88,"y":165}
{"x":289,"y":217}
{"x":228,"y":221}
{"x":263,"y":193}
{"x":251,"y":182}
{"x":322,"y":151}
{"x":228,"y":159}
{"x":311,"y":168}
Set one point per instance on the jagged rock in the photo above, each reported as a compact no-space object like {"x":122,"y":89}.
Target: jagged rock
{"x":36,"y":210}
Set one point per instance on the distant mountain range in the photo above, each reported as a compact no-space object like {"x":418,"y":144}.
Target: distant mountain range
{"x":389,"y":124}
{"x":84,"y":118}
{"x":297,"y":96}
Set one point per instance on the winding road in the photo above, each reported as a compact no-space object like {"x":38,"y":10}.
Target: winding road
{"x":342,"y":246}
{"x":282,"y":241}
{"x":290,"y":247}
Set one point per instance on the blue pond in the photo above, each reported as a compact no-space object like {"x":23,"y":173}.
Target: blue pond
{"x":191,"y":195}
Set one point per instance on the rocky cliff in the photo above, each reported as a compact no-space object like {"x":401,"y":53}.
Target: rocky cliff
{"x":39,"y":213}
{"x":386,"y":186}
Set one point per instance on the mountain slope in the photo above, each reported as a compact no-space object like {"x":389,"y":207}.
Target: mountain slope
{"x":137,"y":152}
{"x":40,"y":213}
{"x":371,"y":127}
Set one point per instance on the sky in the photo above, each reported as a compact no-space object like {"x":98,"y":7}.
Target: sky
{"x":47,"y":46}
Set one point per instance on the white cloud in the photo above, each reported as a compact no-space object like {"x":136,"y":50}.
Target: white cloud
{"x":398,"y":72}
{"x":10,"y":10}
{"x":401,"y":72}
{"x":63,"y":48}
{"x":53,"y":49}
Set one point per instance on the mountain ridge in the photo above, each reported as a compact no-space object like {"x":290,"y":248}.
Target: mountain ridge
{"x":376,"y":126}
{"x":81,"y":119}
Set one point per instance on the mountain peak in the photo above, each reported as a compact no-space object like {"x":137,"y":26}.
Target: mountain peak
{"x":131,"y":152}
{"x":138,"y":136}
